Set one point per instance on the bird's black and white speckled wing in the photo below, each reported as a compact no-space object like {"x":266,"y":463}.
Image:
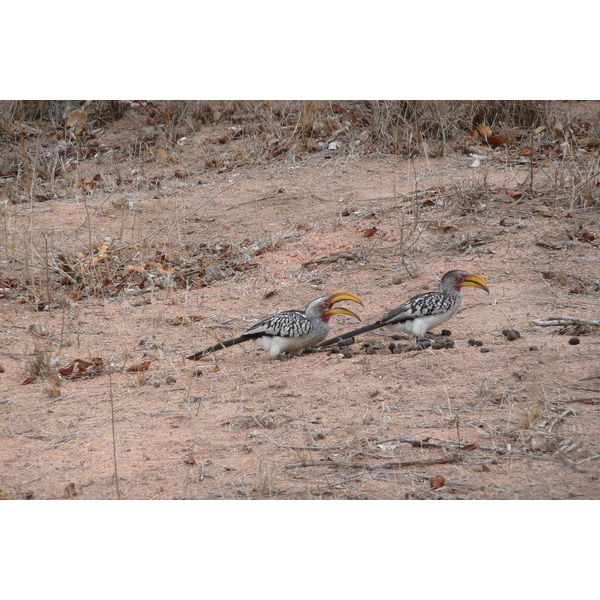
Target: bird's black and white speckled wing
{"x":290,"y":323}
{"x":422,"y":305}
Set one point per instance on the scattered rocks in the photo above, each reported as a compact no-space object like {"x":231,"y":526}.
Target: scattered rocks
{"x":371,"y":347}
{"x":474,"y":342}
{"x":423,"y":342}
{"x":443,"y":343}
{"x":511,"y":334}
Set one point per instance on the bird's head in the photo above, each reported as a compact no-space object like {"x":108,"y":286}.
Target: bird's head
{"x":324,"y":306}
{"x":459,"y":279}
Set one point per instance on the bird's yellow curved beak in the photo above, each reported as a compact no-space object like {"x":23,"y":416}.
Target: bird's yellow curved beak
{"x":475,"y":281}
{"x":340,"y":311}
{"x":338,"y":297}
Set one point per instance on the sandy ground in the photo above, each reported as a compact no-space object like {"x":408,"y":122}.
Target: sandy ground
{"x":210,"y":251}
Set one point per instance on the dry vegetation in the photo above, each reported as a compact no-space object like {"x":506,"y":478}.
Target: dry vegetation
{"x":136,"y":232}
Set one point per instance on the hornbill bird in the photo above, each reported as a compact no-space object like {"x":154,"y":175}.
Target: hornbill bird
{"x":423,"y":311}
{"x":292,"y":330}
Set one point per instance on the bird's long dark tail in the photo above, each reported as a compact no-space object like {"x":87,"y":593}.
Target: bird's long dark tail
{"x":349,"y":334}
{"x":220,"y":346}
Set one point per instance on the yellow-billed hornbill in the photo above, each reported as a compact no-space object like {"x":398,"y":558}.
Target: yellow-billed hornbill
{"x":292,"y":330}
{"x":423,"y":311}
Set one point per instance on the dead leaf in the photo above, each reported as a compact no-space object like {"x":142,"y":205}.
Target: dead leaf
{"x":66,"y":371}
{"x":589,"y":142}
{"x":437,"y":482}
{"x":69,"y":491}
{"x":495,"y":141}
{"x":134,"y":268}
{"x":29,"y":380}
{"x":139,"y":367}
{"x":370,"y":232}
{"x":514,"y":194}
{"x":484,"y":131}
{"x":159,"y":153}
{"x":470,"y":447}
{"x":77,"y":120}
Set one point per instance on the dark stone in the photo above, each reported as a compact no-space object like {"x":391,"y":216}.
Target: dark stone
{"x":511,"y":334}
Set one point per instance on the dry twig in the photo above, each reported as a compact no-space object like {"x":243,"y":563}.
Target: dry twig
{"x":394,"y":464}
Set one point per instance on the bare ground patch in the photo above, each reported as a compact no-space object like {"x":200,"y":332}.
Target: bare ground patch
{"x":164,"y":254}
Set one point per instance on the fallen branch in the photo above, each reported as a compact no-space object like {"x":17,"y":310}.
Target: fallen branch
{"x":394,"y":464}
{"x":443,"y":444}
{"x":344,"y":255}
{"x":586,"y":400}
{"x":554,"y":321}
{"x":576,"y":466}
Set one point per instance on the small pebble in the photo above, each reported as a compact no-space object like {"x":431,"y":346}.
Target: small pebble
{"x":574,"y":341}
{"x":396,"y":337}
{"x":391,"y":346}
{"x":511,"y":334}
{"x":347,"y":353}
{"x":485,"y":350}
{"x":424,"y":342}
{"x":533,"y":348}
{"x":474,"y":342}
{"x":444,"y":343}
{"x":446,"y":332}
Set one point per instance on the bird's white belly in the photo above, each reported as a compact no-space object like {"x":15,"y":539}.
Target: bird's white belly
{"x":420,"y":325}
{"x":275,"y":344}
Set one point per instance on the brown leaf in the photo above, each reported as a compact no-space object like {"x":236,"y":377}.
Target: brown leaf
{"x":69,"y":491}
{"x":484,"y":131}
{"x":589,"y":142}
{"x":495,"y":141}
{"x":159,"y":153}
{"x":485,"y":468}
{"x":139,"y":367}
{"x":29,"y":380}
{"x":514,"y":193}
{"x":437,"y":482}
{"x":370,"y":232}
{"x":77,"y":120}
{"x":66,"y":371}
{"x":469,"y":447}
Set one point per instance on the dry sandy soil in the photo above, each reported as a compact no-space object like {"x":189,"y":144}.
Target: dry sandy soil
{"x":186,"y":255}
